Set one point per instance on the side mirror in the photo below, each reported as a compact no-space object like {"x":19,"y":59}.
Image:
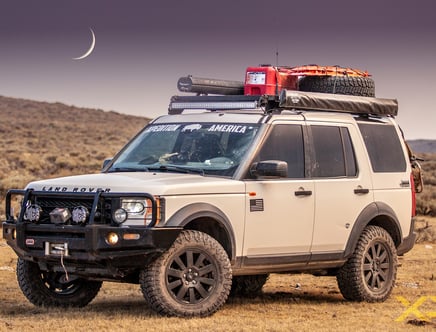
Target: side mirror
{"x":270,"y":168}
{"x":105,"y":163}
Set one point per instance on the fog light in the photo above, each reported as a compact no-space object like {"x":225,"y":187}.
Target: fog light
{"x":33,"y":213}
{"x":112,"y":238}
{"x":120,"y":216}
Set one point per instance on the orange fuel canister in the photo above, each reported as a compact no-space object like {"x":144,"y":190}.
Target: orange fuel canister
{"x":269,"y":80}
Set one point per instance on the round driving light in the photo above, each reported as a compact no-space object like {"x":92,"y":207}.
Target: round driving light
{"x":33,"y":213}
{"x":120,"y":216}
{"x":112,"y":238}
{"x":80,"y":214}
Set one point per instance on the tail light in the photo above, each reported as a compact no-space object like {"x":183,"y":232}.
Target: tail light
{"x":412,"y":187}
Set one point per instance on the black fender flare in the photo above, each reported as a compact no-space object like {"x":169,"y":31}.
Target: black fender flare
{"x":204,"y":210}
{"x":376,"y":213}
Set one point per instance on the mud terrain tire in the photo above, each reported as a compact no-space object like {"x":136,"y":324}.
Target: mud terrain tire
{"x":248,"y":286}
{"x":191,"y":279}
{"x":345,"y":85}
{"x":370,"y":273}
{"x":51,"y":289}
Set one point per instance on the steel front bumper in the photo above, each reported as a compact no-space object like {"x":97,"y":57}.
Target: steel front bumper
{"x":89,"y":245}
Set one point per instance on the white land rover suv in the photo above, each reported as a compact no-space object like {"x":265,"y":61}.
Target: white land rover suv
{"x":203,"y":204}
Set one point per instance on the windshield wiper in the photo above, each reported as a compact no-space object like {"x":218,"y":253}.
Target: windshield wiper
{"x":177,"y":169}
{"x":128,"y":169}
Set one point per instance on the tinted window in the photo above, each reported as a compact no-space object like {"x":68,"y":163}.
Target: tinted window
{"x":384,"y":147}
{"x":333,"y":152}
{"x":285,"y":142}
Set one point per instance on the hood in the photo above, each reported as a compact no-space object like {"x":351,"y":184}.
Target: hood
{"x":155,"y":183}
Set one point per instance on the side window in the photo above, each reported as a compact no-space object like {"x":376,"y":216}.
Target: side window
{"x":384,"y":147}
{"x":285,"y":142}
{"x":333,"y":152}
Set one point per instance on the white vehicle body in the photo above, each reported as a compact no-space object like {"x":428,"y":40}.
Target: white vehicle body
{"x":285,"y":190}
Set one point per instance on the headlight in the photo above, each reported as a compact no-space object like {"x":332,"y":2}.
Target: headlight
{"x":134,"y":206}
{"x":133,"y":211}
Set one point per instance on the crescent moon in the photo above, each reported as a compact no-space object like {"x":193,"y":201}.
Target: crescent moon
{"x":91,"y":48}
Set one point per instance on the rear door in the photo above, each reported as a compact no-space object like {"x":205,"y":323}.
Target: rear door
{"x":342,"y":184}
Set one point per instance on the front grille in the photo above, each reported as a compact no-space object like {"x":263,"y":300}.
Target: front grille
{"x":48,"y":204}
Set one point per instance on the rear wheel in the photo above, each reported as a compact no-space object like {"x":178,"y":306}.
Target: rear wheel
{"x":192,"y":278}
{"x":370,"y":273}
{"x":345,"y":85}
{"x":54,"y":289}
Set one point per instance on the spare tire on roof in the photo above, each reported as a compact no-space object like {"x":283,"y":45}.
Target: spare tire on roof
{"x":346,"y":85}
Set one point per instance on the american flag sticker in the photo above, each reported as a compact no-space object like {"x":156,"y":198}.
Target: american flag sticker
{"x":256,"y":205}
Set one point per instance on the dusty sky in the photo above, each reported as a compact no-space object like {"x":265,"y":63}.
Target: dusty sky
{"x":143,"y":47}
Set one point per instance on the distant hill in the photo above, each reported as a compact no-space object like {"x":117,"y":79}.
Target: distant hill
{"x":43,"y":140}
{"x":423,"y":145}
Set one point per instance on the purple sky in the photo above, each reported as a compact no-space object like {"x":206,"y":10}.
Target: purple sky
{"x":143,"y":47}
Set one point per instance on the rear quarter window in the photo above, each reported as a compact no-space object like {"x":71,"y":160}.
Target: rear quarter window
{"x":384,"y":147}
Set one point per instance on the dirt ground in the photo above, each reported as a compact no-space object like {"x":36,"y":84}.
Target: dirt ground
{"x":289,"y":302}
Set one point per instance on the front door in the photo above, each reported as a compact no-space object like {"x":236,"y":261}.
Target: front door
{"x":280,"y":211}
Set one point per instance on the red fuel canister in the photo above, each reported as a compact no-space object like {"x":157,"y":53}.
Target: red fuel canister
{"x":270,"y":80}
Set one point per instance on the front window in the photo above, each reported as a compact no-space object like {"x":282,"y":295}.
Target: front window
{"x":205,"y":148}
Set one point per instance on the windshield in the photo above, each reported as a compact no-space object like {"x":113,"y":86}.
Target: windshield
{"x":205,"y":148}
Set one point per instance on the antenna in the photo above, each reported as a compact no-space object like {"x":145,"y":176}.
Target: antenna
{"x":277,"y":56}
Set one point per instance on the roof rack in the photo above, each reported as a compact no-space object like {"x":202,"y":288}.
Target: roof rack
{"x":288,"y":99}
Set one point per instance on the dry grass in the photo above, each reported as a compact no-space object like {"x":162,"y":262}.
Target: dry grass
{"x":41,"y":140}
{"x":315,"y":305}
{"x":426,"y":201}
{"x":46,"y":140}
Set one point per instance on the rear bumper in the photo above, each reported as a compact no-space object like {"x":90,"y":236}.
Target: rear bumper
{"x":87,"y":246}
{"x":409,"y":241}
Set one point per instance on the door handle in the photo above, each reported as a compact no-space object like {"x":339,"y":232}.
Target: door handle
{"x":361,"y":191}
{"x":302,"y":192}
{"x":405,"y":183}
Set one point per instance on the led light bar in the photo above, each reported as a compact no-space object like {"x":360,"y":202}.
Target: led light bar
{"x":180,"y":103}
{"x":214,"y":105}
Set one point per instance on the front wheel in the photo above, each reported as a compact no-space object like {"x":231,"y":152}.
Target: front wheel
{"x":369,"y":274}
{"x":192,"y":278}
{"x":54,"y":289}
